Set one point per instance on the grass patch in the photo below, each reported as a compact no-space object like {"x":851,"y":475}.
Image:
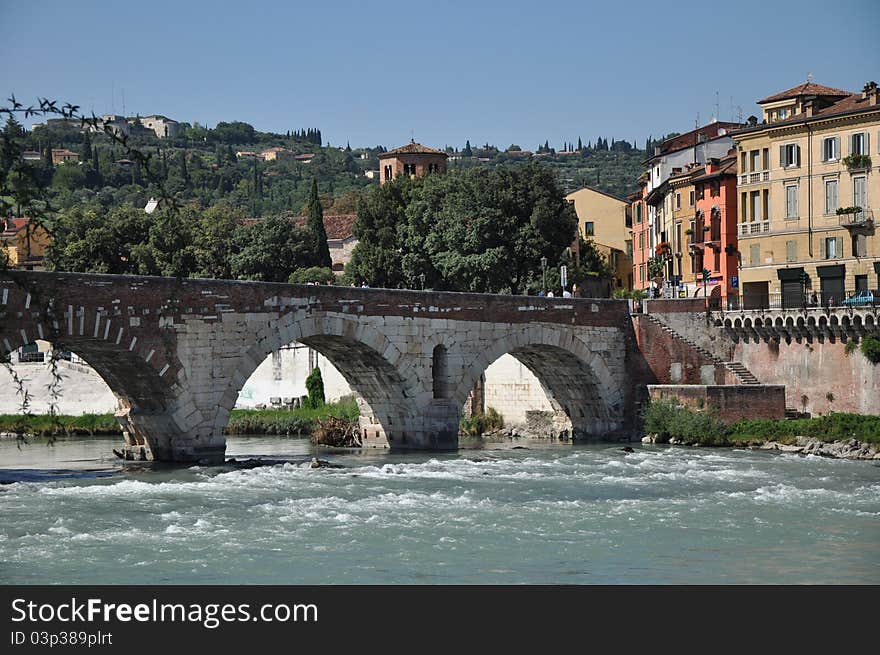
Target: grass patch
{"x":301,"y":420}
{"x":669,"y":420}
{"x":45,"y":425}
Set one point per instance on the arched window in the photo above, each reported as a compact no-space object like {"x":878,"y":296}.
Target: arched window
{"x":440,"y":372}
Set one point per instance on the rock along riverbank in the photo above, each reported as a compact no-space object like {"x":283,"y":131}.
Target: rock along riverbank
{"x":841,"y":449}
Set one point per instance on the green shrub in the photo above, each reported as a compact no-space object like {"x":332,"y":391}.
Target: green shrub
{"x":667,"y":419}
{"x":315,"y":388}
{"x":850,"y":347}
{"x":871,"y":349}
{"x":314,"y":274}
{"x":481,"y":423}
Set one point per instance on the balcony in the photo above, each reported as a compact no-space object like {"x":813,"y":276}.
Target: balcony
{"x":754,"y":178}
{"x":756,"y":227}
{"x":855,"y":217}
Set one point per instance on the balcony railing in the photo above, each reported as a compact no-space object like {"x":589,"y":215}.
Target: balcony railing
{"x":864,"y":218}
{"x":792,"y":300}
{"x":756,"y":227}
{"x":754,"y":178}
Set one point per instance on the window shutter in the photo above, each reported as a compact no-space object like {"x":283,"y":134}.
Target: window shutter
{"x":836,"y":142}
{"x":797,"y":155}
{"x":782,"y":162}
{"x":839,"y":251}
{"x":867,"y":143}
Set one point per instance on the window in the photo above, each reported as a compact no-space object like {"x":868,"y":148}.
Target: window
{"x":755,"y":160}
{"x":791,"y":251}
{"x":832,"y":247}
{"x":766,"y":157}
{"x":744,"y":207}
{"x":830,"y":148}
{"x":641,"y":240}
{"x":791,"y":201}
{"x":754,"y":255}
{"x":638,"y":212}
{"x":783,"y":113}
{"x":756,"y":206}
{"x":388,"y":173}
{"x":691,"y":199}
{"x":790,"y":155}
{"x":858,"y":143}
{"x":859,"y":245}
{"x":830,"y":196}
{"x":641,"y":272}
{"x":860,"y":192}
{"x":589,"y":228}
{"x":678,"y":201}
{"x":409,"y":169}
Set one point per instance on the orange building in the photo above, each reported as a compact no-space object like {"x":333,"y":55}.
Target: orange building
{"x":24,"y":243}
{"x":62,"y":155}
{"x":714,"y":242}
{"x":412,"y":159}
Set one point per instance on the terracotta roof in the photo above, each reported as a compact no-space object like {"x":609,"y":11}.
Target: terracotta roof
{"x":13,"y":226}
{"x":852,"y":103}
{"x":412,"y":148}
{"x":599,"y":191}
{"x":805,"y":89}
{"x":337,"y":226}
{"x":726,"y":166}
{"x":690,"y":139}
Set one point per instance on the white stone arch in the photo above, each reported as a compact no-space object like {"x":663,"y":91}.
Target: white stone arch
{"x":565,"y":354}
{"x":353,"y":346}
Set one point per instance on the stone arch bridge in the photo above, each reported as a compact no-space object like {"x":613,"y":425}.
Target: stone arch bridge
{"x":176,"y":352}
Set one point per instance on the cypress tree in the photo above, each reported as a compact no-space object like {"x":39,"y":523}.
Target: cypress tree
{"x":87,"y":146}
{"x":580,"y":145}
{"x":316,"y":226}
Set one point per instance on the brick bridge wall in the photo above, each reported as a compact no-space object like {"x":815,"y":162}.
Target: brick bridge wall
{"x":177,"y":352}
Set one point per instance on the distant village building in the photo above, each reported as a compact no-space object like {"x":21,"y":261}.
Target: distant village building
{"x":152,"y":205}
{"x":276,"y":154}
{"x":24,"y":243}
{"x":246,"y":154}
{"x":62,"y":155}
{"x":162,"y":126}
{"x":412,"y":159}
{"x":31,"y":155}
{"x":113,"y":123}
{"x":305,"y":158}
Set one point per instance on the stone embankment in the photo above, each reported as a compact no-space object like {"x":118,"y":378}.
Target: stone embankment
{"x":846,"y":449}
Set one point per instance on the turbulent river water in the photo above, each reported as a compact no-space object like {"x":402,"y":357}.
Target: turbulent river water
{"x":549,"y":513}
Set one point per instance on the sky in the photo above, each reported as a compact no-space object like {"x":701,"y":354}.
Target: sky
{"x":441,"y":72}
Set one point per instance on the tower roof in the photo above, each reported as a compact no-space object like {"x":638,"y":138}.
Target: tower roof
{"x":412,"y":148}
{"x":805,"y":89}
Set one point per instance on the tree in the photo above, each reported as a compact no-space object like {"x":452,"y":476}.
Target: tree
{"x":475,"y":229}
{"x":315,"y":388}
{"x":270,"y":250}
{"x":315,"y":224}
{"x":312,"y":274}
{"x":467,"y":152}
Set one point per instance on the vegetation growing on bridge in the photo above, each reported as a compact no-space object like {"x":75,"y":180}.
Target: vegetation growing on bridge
{"x":669,"y":420}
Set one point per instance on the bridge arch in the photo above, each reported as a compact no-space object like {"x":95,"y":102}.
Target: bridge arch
{"x":575,"y":378}
{"x":365,"y":358}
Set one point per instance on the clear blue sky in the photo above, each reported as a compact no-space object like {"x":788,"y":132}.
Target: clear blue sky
{"x":378,"y":72}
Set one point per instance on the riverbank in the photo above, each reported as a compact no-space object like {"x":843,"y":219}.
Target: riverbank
{"x":301,"y":420}
{"x":839,"y":435}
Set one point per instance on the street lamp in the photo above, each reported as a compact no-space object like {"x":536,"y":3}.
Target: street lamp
{"x":544,"y":271}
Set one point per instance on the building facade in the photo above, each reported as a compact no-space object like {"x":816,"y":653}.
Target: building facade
{"x":655,"y":271}
{"x":24,"y":243}
{"x":413,"y":159}
{"x":605,"y":219}
{"x":808,"y":197}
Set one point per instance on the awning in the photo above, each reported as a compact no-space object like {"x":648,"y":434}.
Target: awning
{"x":831,"y":271}
{"x":789,"y":274}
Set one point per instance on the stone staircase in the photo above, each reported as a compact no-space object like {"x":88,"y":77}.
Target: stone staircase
{"x":744,"y":375}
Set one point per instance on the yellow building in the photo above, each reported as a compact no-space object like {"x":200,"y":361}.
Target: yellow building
{"x":606,"y":220}
{"x":809,"y":195}
{"x":24,"y":243}
{"x":681,"y":226}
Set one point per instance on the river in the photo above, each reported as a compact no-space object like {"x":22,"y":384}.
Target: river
{"x":547,"y":513}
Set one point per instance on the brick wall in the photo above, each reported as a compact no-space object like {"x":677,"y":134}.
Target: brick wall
{"x":730,"y":403}
{"x":673,"y":361}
